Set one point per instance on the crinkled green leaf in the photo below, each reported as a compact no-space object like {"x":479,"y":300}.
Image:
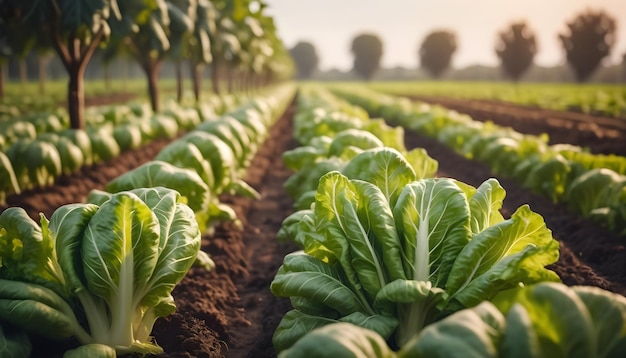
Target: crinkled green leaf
{"x":304,"y":275}
{"x":36,"y":309}
{"x":295,"y":325}
{"x":158,"y":173}
{"x":219,"y":154}
{"x":179,"y":241}
{"x":432,"y":216}
{"x":66,"y":229}
{"x":485,"y":205}
{"x":423,"y":165}
{"x":340,"y":340}
{"x":120,"y":253}
{"x":472,"y":333}
{"x":186,"y":155}
{"x":353,"y":137}
{"x":23,"y":251}
{"x":384,"y":167}
{"x":503,"y":255}
{"x":308,"y":178}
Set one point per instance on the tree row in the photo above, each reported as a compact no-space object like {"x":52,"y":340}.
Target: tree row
{"x":587,"y":41}
{"x":234,"y":37}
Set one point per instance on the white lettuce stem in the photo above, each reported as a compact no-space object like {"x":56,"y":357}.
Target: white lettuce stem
{"x":122,"y":305}
{"x":413,"y":315}
{"x":99,"y":324}
{"x":421,"y":268}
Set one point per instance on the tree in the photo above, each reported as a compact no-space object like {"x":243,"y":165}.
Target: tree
{"x":144,"y":28}
{"x":305,"y":58}
{"x":75,"y":29}
{"x":368,"y":51}
{"x":252,"y":55}
{"x":225,"y":45}
{"x":277,"y":64}
{"x":199,"y":47}
{"x":436,"y":52}
{"x":20,"y":40}
{"x":516,"y":49}
{"x":270,"y":60}
{"x":180,"y":34}
{"x":5,"y":51}
{"x":244,"y":45}
{"x":588,"y":40}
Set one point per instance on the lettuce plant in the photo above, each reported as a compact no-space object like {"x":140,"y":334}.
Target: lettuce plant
{"x":394,"y":254}
{"x":41,"y":168}
{"x":8,"y":180}
{"x":542,"y":320}
{"x":101,"y":273}
{"x":601,"y":195}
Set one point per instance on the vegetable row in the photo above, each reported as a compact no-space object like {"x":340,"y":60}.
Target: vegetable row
{"x":592,"y":185}
{"x":102,"y":272}
{"x":52,"y":149}
{"x":604,"y":99}
{"x":396,"y":262}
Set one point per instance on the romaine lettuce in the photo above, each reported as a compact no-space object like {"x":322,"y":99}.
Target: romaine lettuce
{"x":100,"y":273}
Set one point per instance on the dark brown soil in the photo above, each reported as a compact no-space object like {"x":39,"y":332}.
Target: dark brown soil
{"x":600,"y":134}
{"x":229,"y":312}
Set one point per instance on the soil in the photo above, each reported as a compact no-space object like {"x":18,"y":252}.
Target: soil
{"x":599,"y":134}
{"x":230,"y":312}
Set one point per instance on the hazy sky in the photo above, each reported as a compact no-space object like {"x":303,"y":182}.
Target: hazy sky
{"x":402,"y":24}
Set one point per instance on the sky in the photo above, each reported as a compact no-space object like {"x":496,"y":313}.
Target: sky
{"x":330,"y":25}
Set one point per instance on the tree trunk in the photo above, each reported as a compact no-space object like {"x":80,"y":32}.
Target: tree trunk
{"x":229,"y":78}
{"x":179,"y":82}
{"x":241,"y":80}
{"x":76,"y":95}
{"x":43,"y":73}
{"x":125,"y":72}
{"x":152,"y":69}
{"x":23,"y":71}
{"x":106,"y":73}
{"x":75,"y":56}
{"x":215,"y":78}
{"x":196,"y":76}
{"x":2,"y":78}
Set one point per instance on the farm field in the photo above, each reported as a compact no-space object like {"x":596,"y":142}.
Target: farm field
{"x":599,"y":134}
{"x":177,"y":179}
{"x":230,"y":311}
{"x":605,"y":100}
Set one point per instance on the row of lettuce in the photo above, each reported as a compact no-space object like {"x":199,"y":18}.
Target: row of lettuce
{"x":591,"y":185}
{"x":52,"y":149}
{"x":395,"y":262}
{"x":601,"y":99}
{"x":14,"y":105}
{"x":102,"y":272}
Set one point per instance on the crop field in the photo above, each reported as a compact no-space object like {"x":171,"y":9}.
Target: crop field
{"x":230,"y":309}
{"x":603,"y":100}
{"x":253,"y":211}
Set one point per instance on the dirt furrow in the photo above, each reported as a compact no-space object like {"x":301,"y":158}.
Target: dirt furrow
{"x":600,"y":134}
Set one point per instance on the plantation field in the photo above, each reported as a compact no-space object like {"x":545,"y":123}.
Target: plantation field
{"x":599,"y":133}
{"x":599,"y":99}
{"x":28,"y":96}
{"x":230,"y":311}
{"x":176,"y":182}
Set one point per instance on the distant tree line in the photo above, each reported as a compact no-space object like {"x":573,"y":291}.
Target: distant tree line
{"x":235,"y":38}
{"x":588,"y":39}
